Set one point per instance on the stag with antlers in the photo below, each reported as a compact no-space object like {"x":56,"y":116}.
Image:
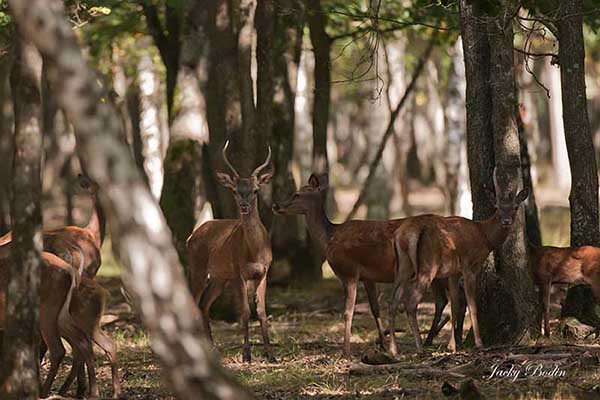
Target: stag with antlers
{"x":234,"y":251}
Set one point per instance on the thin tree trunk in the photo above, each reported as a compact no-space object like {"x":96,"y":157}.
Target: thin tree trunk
{"x":582,"y":160}
{"x":21,"y":337}
{"x":507,"y":296}
{"x":321,"y":43}
{"x":141,"y":239}
{"x":6,"y":144}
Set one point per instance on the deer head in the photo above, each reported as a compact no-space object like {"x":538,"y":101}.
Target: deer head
{"x":308,"y":197}
{"x":245,"y":189}
{"x":507,"y":202}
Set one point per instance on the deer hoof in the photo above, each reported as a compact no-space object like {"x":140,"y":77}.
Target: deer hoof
{"x":246,"y":356}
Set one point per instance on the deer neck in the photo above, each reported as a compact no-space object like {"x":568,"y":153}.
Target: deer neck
{"x":254,"y":230}
{"x":97,"y":222}
{"x":319,"y":226}
{"x":495,"y":234}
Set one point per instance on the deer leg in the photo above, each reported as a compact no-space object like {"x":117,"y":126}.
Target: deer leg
{"x":462,"y":310}
{"x":411,"y":306}
{"x":455,"y":334}
{"x":545,"y":297}
{"x":106,"y":343}
{"x":51,"y":337}
{"x":470,"y":281}
{"x":211,"y":293}
{"x":77,"y":370}
{"x":439,"y":294}
{"x":261,"y":310}
{"x":371,"y":289}
{"x":396,"y":299}
{"x":350,"y":289}
{"x":242,"y":292}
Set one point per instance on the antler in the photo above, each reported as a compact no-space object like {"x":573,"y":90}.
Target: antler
{"x":227,"y":161}
{"x":263,"y":165}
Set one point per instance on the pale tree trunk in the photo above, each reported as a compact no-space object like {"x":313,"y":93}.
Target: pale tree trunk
{"x":457,"y":175}
{"x":303,"y":124}
{"x":560,"y":161}
{"x":508,"y":303}
{"x":150,"y":129}
{"x":141,"y":239}
{"x":20,"y":378}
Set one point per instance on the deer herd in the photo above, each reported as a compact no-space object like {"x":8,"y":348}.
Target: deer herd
{"x":413,"y":254}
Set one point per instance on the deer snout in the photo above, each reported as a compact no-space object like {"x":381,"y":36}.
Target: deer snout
{"x":506,"y":221}
{"x":275,"y":208}
{"x":245,"y":208}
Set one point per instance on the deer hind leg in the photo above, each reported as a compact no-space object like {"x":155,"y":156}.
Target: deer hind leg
{"x":403,"y":274}
{"x":51,"y":336}
{"x":545,"y":298}
{"x":371,"y":289}
{"x":77,"y":371}
{"x":106,"y":343}
{"x":244,"y":311}
{"x":211,"y":293}
{"x":414,"y":296}
{"x":470,"y":281}
{"x":439,"y":293}
{"x":261,"y":310}
{"x":350,"y":290}
{"x":455,"y":318}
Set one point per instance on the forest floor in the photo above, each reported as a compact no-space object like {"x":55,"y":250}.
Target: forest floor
{"x":306,"y":327}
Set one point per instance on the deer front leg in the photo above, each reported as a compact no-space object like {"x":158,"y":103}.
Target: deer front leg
{"x":261,"y":310}
{"x":471,"y":293}
{"x":455,"y":335}
{"x":242,"y":293}
{"x":350,"y":289}
{"x":371,"y":289}
{"x":545,"y":296}
{"x":397,"y":295}
{"x":439,"y":294}
{"x":211,"y":293}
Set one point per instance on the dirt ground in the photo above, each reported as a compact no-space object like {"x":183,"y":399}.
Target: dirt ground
{"x":307,"y":330}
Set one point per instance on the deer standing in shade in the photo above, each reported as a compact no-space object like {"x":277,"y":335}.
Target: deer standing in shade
{"x":233,"y":251}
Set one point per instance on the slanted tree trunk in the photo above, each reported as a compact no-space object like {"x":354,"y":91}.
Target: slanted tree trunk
{"x":321,"y":43}
{"x":583,"y":198}
{"x":507,"y":302}
{"x":141,"y":239}
{"x":20,"y":378}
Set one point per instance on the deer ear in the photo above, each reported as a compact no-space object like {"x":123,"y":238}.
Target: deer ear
{"x":84,"y":181}
{"x":323,"y":182}
{"x":313,"y":181}
{"x":226,"y":180}
{"x":265,"y":178}
{"x":521,"y":196}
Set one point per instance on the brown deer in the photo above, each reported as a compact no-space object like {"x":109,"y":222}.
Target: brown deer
{"x":59,"y":280}
{"x":430,"y":246}
{"x":564,"y":265}
{"x":233,"y":251}
{"x":69,"y":241}
{"x":87,"y":307}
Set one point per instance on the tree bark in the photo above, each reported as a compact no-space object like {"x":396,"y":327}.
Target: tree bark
{"x":321,"y":42}
{"x":507,"y":296}
{"x":6,"y":144}
{"x":21,"y":337}
{"x":583,"y":198}
{"x":141,"y":239}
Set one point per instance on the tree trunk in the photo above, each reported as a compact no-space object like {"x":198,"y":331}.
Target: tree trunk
{"x":21,"y":337}
{"x":584,"y":175}
{"x":6,"y":144}
{"x":508,"y":304}
{"x":321,"y":43}
{"x":141,"y":238}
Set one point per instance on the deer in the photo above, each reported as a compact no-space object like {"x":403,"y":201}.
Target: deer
{"x":87,"y":307}
{"x":59,"y":280}
{"x":67,"y":242}
{"x":430,"y":246}
{"x":551,"y":265}
{"x":356,"y":250}
{"x":232,"y":252}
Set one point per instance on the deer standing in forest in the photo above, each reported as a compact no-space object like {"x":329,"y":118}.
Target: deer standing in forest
{"x":563,"y":265}
{"x":233,"y":251}
{"x":430,"y":246}
{"x":59,"y":280}
{"x":68,"y":242}
{"x":356,"y":251}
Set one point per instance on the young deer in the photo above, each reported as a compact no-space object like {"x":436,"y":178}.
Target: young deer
{"x":59,"y":280}
{"x":564,"y":265}
{"x":233,"y":251}
{"x":430,"y":246}
{"x":69,"y":241}
{"x":87,"y":307}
